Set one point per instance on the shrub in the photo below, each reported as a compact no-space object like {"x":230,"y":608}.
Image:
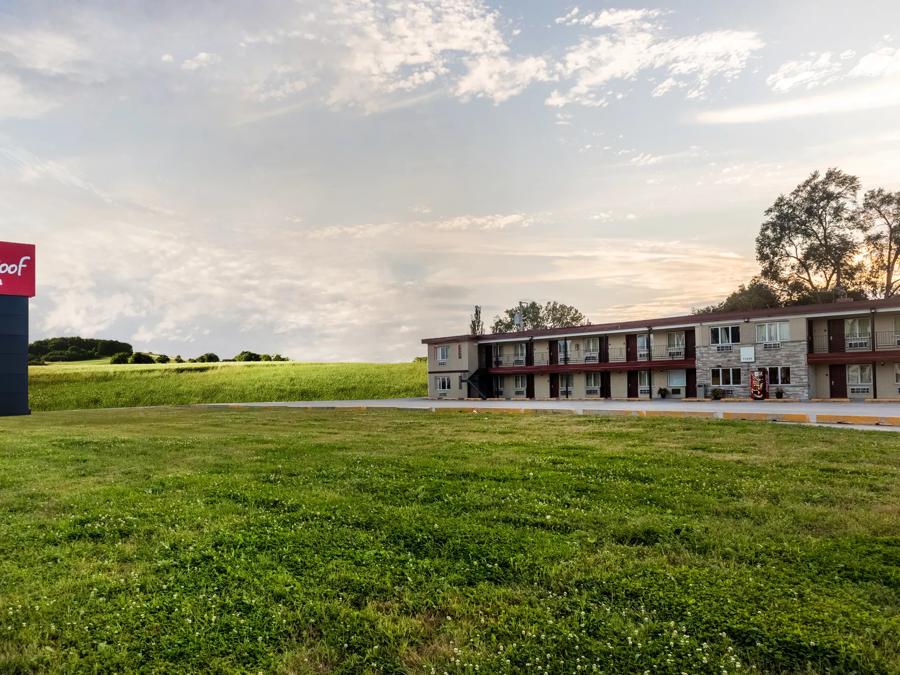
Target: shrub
{"x":141,"y":357}
{"x":209,"y":357}
{"x":178,"y":359}
{"x":265,"y":357}
{"x":248,"y":356}
{"x":717,"y":394}
{"x":121,"y":357}
{"x":663,"y":392}
{"x":162,"y":358}
{"x":279,"y":357}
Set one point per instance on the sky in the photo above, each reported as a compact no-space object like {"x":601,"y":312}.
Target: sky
{"x":337,"y":180}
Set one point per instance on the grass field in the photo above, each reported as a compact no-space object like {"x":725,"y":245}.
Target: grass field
{"x":300,"y":541}
{"x":100,"y":385}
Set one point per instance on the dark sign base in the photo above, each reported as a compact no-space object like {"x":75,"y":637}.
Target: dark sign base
{"x":13,"y":356}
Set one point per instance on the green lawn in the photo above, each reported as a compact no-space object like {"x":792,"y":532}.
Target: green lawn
{"x":298,"y":541}
{"x":91,"y":385}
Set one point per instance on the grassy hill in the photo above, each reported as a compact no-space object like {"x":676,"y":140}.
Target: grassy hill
{"x":297,"y":541}
{"x":73,"y":386}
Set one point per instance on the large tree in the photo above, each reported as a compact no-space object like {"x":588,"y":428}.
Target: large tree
{"x":880,"y":216}
{"x":532,"y":315}
{"x":809,"y":243}
{"x":755,"y":295}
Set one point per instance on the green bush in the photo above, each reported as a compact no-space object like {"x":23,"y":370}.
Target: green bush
{"x":120,"y":358}
{"x":77,"y":348}
{"x":248,"y":356}
{"x":209,"y":357}
{"x":162,"y":358}
{"x":141,"y":357}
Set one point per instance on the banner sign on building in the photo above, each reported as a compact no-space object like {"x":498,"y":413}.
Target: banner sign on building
{"x":17,"y":269}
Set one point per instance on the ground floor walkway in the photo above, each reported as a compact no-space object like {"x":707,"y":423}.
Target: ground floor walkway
{"x":878,"y":415}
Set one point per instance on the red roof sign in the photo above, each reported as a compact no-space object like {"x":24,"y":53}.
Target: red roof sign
{"x":17,"y":269}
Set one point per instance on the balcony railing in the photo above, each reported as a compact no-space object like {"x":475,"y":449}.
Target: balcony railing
{"x":884,"y":340}
{"x":659,"y":353}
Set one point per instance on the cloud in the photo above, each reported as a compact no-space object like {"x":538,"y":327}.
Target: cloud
{"x":883,"y":62}
{"x":820,"y":70}
{"x":870,"y":96}
{"x":498,"y":221}
{"x":18,"y":103}
{"x":43,"y":51}
{"x":632,"y":43}
{"x":201,"y":61}
{"x":500,"y":78}
{"x":167,"y":58}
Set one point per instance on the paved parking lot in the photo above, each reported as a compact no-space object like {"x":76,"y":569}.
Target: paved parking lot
{"x":883,"y":415}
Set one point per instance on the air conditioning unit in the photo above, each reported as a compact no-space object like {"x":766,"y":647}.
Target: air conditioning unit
{"x":592,"y":392}
{"x":676,"y":353}
{"x":519,"y":362}
{"x":771,"y":345}
{"x":590,"y":357}
{"x":723,"y":348}
{"x":520,"y":392}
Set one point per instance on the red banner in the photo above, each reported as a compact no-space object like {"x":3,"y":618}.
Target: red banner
{"x":17,"y":269}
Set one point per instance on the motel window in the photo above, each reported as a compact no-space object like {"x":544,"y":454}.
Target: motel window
{"x":566,"y":382}
{"x":725,"y":335}
{"x":773,"y":333}
{"x":459,"y":351}
{"x":857,"y":327}
{"x":725,"y":377}
{"x":677,"y":378}
{"x":520,"y":350}
{"x":521,"y":384}
{"x":442,"y":383}
{"x":779,"y":375}
{"x":592,"y":380}
{"x":859,"y":374}
{"x":643,"y":346}
{"x":498,"y":385}
{"x":498,"y":351}
{"x":443,"y":353}
{"x":897,"y":328}
{"x":566,"y":349}
{"x":643,"y":382}
{"x":675,"y":344}
{"x":592,"y":345}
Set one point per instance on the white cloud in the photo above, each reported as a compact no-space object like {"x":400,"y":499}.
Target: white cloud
{"x":18,"y":103}
{"x":167,"y":58}
{"x":500,"y":78}
{"x":202,"y":60}
{"x":871,"y":96}
{"x":43,"y":51}
{"x":817,"y":71}
{"x":632,"y":43}
{"x":882,"y":62}
{"x":282,"y":82}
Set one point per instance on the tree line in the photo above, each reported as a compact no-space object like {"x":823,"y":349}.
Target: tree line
{"x":822,"y":242}
{"x":68,"y":349}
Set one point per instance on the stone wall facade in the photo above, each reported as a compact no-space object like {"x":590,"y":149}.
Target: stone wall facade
{"x":791,"y":354}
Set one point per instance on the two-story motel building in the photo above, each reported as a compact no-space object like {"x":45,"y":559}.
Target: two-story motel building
{"x":844,"y":350}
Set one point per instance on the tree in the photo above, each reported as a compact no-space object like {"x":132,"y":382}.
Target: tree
{"x":162,"y":358}
{"x":809,"y":242}
{"x":141,"y":357}
{"x":880,"y":217}
{"x":248,"y":356}
{"x":531,"y":316}
{"x":476,"y":325}
{"x":209,"y":357}
{"x":755,"y":295}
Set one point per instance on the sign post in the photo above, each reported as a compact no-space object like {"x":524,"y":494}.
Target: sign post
{"x":17,"y":284}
